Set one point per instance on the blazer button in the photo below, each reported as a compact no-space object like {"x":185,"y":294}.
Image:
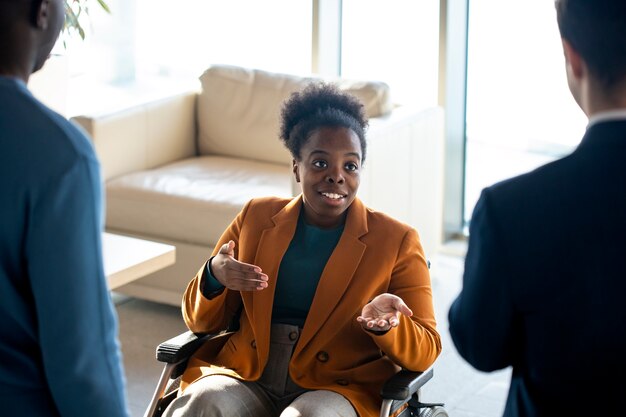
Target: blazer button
{"x":343,"y":382}
{"x":253,"y":344}
{"x":293,"y":336}
{"x":322,"y":356}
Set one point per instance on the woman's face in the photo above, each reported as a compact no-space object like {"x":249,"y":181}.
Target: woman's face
{"x":329,"y":174}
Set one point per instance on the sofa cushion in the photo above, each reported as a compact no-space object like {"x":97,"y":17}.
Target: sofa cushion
{"x":238,"y":110}
{"x":192,"y":200}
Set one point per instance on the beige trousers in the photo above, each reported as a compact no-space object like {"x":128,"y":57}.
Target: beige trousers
{"x":273,"y":395}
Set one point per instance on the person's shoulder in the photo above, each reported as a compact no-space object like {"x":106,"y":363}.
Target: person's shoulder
{"x":385,"y":231}
{"x":270,"y":201}
{"x":268,"y":205}
{"x":44,"y":128}
{"x":530,"y":198}
{"x":538,"y":180}
{"x":57,"y":150}
{"x":68,"y":135}
{"x":383,"y":222}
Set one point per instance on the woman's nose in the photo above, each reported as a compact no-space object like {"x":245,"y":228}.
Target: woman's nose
{"x":335,"y":178}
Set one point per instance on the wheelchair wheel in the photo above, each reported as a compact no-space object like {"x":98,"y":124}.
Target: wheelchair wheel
{"x":433,"y":412}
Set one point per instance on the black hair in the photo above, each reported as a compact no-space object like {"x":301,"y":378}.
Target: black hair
{"x":320,"y":104}
{"x":596,"y":29}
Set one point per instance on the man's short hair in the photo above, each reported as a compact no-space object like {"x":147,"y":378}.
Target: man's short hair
{"x":596,"y":29}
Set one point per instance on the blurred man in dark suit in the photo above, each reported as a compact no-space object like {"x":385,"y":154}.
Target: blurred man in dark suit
{"x":545,"y":273}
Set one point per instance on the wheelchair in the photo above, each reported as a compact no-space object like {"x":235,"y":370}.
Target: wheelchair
{"x":400,"y":393}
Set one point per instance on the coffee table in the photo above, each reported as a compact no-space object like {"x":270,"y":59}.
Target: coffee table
{"x":127,"y":259}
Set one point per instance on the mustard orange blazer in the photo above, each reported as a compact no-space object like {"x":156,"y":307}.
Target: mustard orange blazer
{"x":375,"y":254}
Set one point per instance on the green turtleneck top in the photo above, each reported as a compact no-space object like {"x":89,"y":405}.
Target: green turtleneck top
{"x":299,"y":273}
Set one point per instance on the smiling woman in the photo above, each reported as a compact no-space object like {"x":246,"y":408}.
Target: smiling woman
{"x":296,"y":274}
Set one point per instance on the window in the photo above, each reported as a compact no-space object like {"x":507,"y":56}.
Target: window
{"x":520,"y":113}
{"x":396,"y":41}
{"x":183,"y":38}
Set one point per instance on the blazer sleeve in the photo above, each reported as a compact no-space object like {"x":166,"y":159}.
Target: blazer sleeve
{"x":212,"y":314}
{"x":482,"y":317}
{"x":415,"y":343}
{"x":76,"y":322}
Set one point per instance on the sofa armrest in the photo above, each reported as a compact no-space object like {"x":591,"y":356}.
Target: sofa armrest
{"x":143,"y":136}
{"x":403,"y":171}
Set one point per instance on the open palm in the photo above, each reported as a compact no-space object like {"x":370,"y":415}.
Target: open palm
{"x":383,"y":312}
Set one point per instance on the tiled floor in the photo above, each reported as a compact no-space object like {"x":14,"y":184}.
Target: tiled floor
{"x":465,"y":391}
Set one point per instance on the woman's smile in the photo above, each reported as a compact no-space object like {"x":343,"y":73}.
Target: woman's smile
{"x":334,"y":198}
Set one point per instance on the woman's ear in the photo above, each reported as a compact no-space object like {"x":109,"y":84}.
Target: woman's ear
{"x":295,"y":170}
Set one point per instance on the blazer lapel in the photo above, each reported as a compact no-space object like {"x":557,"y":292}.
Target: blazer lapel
{"x":272,"y":247}
{"x":338,"y":272}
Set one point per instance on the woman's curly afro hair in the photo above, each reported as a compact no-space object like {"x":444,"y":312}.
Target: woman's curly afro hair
{"x":318,"y":105}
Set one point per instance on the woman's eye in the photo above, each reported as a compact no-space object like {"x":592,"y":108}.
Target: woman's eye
{"x":320,"y":164}
{"x":351,"y":166}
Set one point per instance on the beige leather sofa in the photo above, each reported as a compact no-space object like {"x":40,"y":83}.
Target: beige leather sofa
{"x":179,"y":169}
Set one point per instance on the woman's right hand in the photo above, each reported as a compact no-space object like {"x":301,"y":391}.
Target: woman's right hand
{"x":236,"y":275}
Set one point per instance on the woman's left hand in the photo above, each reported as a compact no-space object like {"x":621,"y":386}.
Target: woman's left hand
{"x":383,"y":312}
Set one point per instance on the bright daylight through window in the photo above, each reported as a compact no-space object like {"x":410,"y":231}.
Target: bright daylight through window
{"x":520,"y":113}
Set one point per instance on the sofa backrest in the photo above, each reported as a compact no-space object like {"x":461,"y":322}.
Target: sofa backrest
{"x":238,"y":111}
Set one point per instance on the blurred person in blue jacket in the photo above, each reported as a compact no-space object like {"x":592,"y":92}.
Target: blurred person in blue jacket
{"x":59,"y":354}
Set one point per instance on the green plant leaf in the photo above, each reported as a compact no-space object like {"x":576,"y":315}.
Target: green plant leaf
{"x":104,"y":6}
{"x":73,"y":11}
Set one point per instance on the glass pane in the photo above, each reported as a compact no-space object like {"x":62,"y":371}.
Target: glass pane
{"x":520,"y":113}
{"x":106,"y":51}
{"x":396,"y":41}
{"x":183,"y":38}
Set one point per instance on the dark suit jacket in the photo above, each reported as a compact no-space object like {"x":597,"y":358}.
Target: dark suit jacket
{"x":375,"y":254}
{"x":544,"y":289}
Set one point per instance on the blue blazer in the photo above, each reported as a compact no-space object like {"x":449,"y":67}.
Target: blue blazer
{"x":544,"y":288}
{"x":59,"y":353}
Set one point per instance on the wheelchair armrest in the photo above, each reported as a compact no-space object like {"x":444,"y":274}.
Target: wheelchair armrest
{"x":404,"y":384}
{"x":181,"y":347}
